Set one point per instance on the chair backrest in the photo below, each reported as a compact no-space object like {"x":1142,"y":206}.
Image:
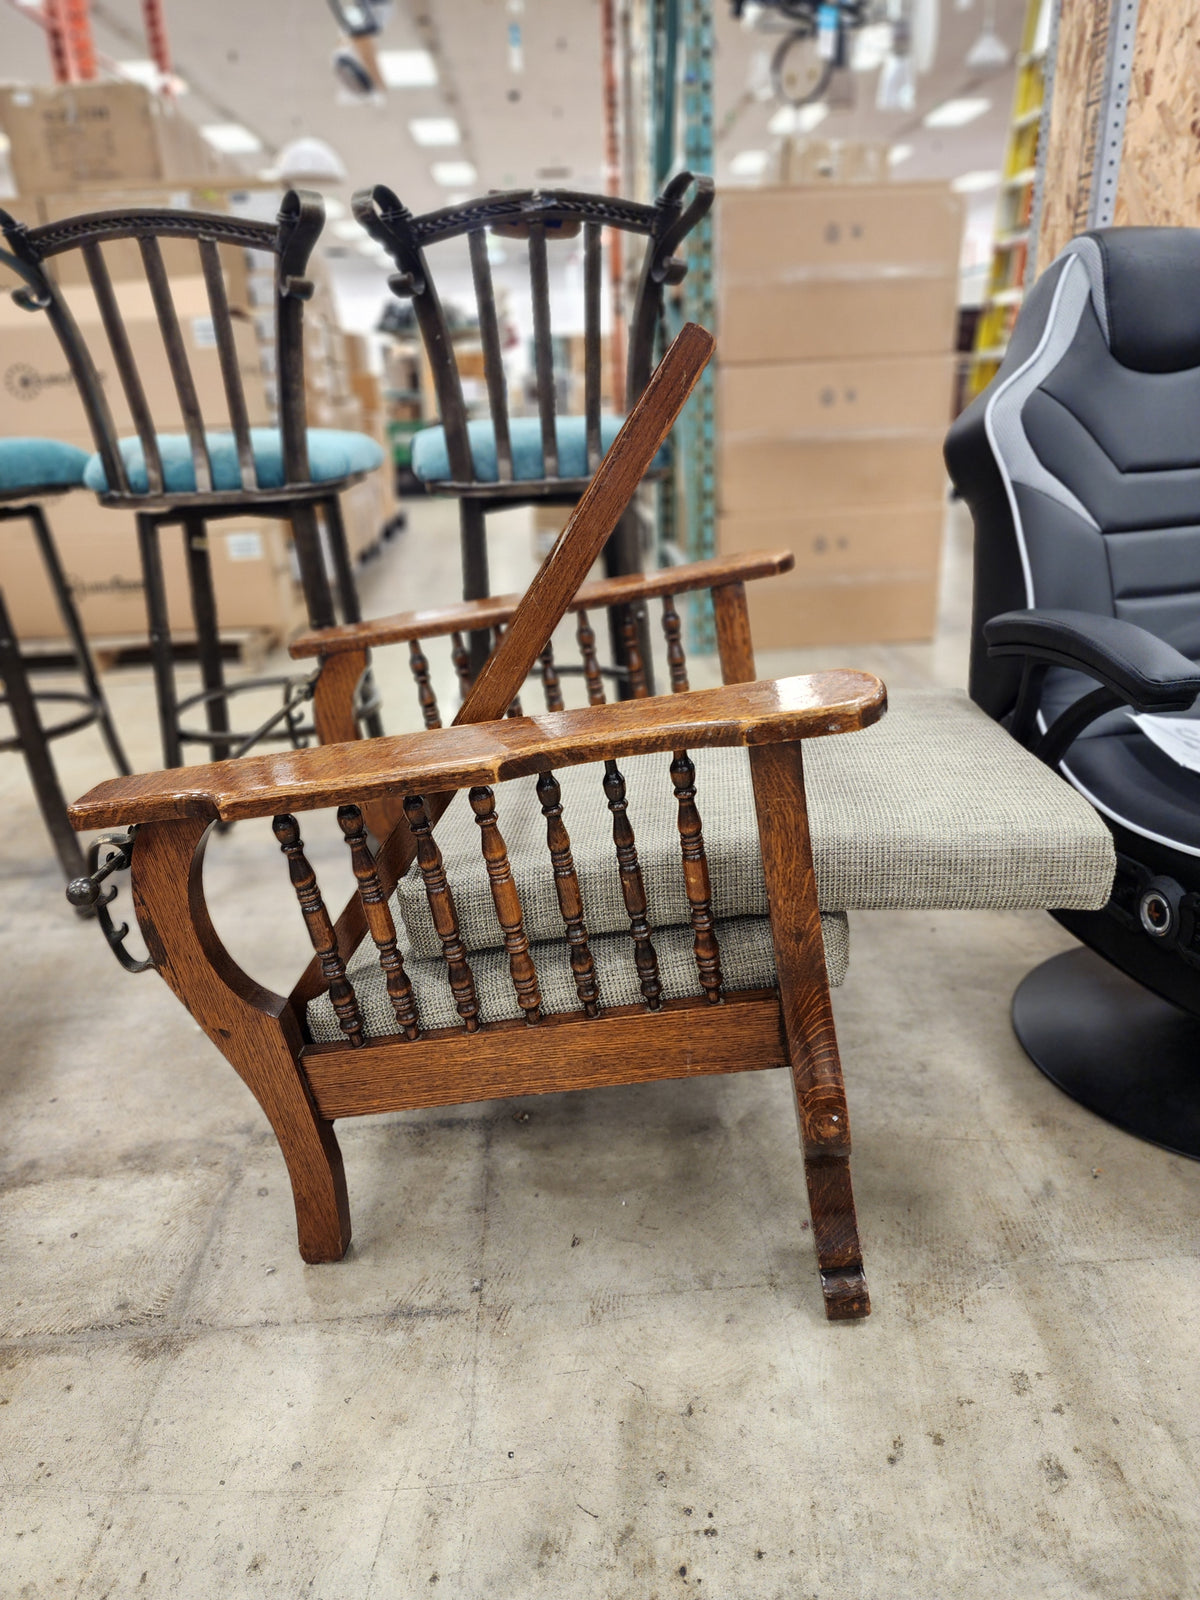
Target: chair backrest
{"x":107,"y":345}
{"x":540,"y":217}
{"x":1081,"y":460}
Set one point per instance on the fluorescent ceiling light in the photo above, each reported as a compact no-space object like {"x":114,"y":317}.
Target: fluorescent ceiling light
{"x":956,"y":113}
{"x":749,"y":164}
{"x":407,"y":69}
{"x":975,"y":182}
{"x":348,"y":230}
{"x":434,"y":130}
{"x":798,"y":119}
{"x":899,"y":153}
{"x":231,"y":139}
{"x":147,"y":74}
{"x":454,"y":174}
{"x":870,"y":46}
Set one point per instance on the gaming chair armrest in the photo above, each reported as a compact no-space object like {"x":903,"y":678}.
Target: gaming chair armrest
{"x":1139,"y":669}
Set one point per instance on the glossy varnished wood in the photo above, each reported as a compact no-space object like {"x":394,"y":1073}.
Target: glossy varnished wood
{"x":444,"y":759}
{"x":507,"y":902}
{"x":437,"y":621}
{"x":695,"y":876}
{"x":380,"y":923}
{"x":570,"y":899}
{"x":627,"y":1044}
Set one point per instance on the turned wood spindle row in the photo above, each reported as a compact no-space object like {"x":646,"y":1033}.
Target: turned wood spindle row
{"x":320,"y":928}
{"x":380,"y":923}
{"x":443,"y":912}
{"x":676,"y":659}
{"x":570,"y":899}
{"x":636,"y":667}
{"x":696,"y":877}
{"x":551,"y":687}
{"x":586,"y":637}
{"x":507,"y":903}
{"x":419,"y":666}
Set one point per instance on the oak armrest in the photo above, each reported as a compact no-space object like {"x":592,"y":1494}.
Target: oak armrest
{"x":466,"y":615}
{"x":441,"y":759}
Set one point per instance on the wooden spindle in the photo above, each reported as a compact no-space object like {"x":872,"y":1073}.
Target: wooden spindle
{"x":514,"y":705}
{"x":442,"y":910}
{"x":550,"y":684}
{"x":379,"y":921}
{"x":320,"y":928}
{"x":570,"y":899}
{"x":461,"y":657}
{"x":632,"y":887}
{"x":508,"y":904}
{"x":695,"y":877}
{"x":631,"y":634}
{"x":586,"y":636}
{"x":419,"y":667}
{"x":676,"y":660}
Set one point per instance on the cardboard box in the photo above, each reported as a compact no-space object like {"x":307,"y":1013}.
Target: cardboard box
{"x":96,"y":133}
{"x":801,"y":161}
{"x":37,"y":391}
{"x":833,"y":545}
{"x":788,"y":614}
{"x":908,"y":311}
{"x":834,"y":396}
{"x":831,"y":227}
{"x":837,"y":472}
{"x":252,"y":574}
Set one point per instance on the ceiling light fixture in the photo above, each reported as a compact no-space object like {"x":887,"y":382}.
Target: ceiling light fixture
{"x":899,"y":153}
{"x":870,"y":46}
{"x":407,"y":69}
{"x":989,"y":52}
{"x":231,"y":138}
{"x":975,"y":182}
{"x":956,"y":113}
{"x":434,"y":130}
{"x":454,"y":174}
{"x":748,"y":164}
{"x":311,"y":159}
{"x":798,"y":119}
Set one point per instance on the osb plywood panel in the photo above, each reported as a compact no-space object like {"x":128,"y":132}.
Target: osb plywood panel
{"x":1159,"y":180}
{"x":1078,"y":84}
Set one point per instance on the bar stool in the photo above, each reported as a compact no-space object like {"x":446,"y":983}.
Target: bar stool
{"x":193,"y":475}
{"x":31,"y":469}
{"x":501,"y":460}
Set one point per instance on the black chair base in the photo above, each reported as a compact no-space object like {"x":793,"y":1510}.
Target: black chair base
{"x":1115,"y":1047}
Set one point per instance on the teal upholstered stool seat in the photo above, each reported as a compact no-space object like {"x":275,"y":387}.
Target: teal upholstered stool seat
{"x":27,"y":465}
{"x":431,"y":459}
{"x":332,"y":455}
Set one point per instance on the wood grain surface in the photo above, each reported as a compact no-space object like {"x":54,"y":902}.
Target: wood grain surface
{"x":442,"y":760}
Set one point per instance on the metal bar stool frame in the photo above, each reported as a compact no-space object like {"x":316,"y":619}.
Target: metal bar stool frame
{"x":33,"y":737}
{"x":289,"y":241}
{"x":538,"y":216}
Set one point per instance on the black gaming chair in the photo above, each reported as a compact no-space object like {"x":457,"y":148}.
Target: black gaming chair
{"x":1081,"y":466}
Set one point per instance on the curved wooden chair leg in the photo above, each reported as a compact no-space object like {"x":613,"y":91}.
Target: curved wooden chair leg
{"x":816,"y":1069}
{"x":254,"y":1029}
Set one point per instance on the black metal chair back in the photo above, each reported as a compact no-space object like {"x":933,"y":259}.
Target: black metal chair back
{"x":538,"y":216}
{"x":289,"y":241}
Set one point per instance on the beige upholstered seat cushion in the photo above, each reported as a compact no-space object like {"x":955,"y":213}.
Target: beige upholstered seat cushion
{"x":933,"y":808}
{"x":747,"y":959}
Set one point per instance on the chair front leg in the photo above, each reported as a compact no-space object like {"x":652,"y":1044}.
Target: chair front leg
{"x":816,"y":1069}
{"x":255,"y":1030}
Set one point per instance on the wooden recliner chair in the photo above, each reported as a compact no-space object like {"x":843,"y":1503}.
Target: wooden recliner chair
{"x":397,"y":1014}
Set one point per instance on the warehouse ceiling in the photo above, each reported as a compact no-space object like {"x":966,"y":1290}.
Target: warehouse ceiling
{"x":266,"y":64}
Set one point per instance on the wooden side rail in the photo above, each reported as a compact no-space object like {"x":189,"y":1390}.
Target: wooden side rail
{"x":497,"y":610}
{"x":442,"y":759}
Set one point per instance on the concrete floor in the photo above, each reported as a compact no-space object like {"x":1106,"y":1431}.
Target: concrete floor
{"x":577,"y":1348}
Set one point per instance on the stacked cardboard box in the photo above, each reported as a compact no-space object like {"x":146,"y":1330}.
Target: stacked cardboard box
{"x":836,"y":330}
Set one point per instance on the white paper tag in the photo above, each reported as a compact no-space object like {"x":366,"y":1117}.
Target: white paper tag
{"x":1175,"y":737}
{"x":244,"y":546}
{"x":204,"y":333}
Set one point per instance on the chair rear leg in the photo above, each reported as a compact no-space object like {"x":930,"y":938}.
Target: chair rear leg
{"x":208,"y":633}
{"x":159,"y":627}
{"x":473,"y":533}
{"x":35,"y":748}
{"x":65,"y":601}
{"x":816,"y":1069}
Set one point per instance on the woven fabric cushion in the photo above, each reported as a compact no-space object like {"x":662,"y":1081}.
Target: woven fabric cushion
{"x":935,"y":807}
{"x":748,"y":962}
{"x":332,"y":454}
{"x":27,"y":465}
{"x":431,"y":459}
